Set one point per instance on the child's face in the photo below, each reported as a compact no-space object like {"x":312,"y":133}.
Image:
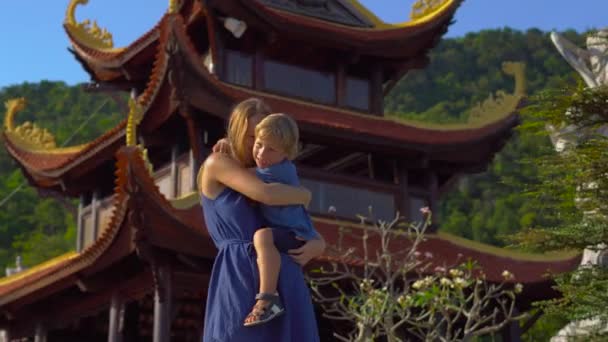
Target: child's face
{"x":267,"y":152}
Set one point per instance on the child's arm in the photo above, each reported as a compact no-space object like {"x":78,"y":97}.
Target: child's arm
{"x":229,"y":173}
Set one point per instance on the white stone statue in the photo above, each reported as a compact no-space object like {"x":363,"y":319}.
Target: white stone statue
{"x":591,"y":64}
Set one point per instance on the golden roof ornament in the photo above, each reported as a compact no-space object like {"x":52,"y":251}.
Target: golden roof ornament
{"x":502,"y":104}
{"x":27,"y":134}
{"x":173,"y":6}
{"x":135,"y":116}
{"x":422,"y":8}
{"x":89,"y":34}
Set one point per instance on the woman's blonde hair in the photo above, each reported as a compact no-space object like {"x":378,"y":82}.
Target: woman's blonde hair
{"x":237,"y":127}
{"x":283,"y":129}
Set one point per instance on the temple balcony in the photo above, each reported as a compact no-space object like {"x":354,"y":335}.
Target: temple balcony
{"x":335,"y":196}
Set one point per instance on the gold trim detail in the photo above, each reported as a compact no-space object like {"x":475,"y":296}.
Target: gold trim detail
{"x":89,"y":34}
{"x":422,"y":8}
{"x":135,"y":116}
{"x":422,"y":11}
{"x":501,"y":104}
{"x":28,"y":133}
{"x":173,"y":6}
{"x":38,"y":268}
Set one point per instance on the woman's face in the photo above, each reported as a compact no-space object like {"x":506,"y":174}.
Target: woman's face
{"x":250,"y":135}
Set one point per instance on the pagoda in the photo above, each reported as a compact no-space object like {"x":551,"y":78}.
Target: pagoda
{"x":142,"y":260}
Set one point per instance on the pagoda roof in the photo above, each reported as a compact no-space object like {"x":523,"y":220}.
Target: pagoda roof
{"x":371,"y":37}
{"x":143,"y":220}
{"x":94,"y":47}
{"x":165,"y":227}
{"x":482,"y":138}
{"x":37,"y":152}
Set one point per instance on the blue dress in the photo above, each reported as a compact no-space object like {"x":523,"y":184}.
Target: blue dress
{"x":231,"y":221}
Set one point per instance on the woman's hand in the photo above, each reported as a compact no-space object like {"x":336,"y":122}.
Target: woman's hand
{"x":222,"y":146}
{"x":311,"y":249}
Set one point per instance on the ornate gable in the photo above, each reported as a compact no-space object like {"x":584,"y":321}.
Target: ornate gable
{"x":335,"y":11}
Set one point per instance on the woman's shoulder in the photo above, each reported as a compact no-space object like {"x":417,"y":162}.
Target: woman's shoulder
{"x":218,"y":160}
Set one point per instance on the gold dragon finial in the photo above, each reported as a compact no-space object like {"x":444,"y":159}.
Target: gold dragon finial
{"x":89,"y":34}
{"x":173,"y":6}
{"x":502,"y":104}
{"x":135,"y":116}
{"x":422,"y":8}
{"x":27,"y":134}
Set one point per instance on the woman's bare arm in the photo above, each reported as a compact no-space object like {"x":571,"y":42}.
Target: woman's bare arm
{"x":228,"y":172}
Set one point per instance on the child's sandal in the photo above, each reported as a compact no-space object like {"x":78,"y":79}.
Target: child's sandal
{"x":264,"y":313}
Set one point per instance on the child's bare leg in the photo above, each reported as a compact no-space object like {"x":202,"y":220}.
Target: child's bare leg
{"x":269,"y":260}
{"x":269,"y":265}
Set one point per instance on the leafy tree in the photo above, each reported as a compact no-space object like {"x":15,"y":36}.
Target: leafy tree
{"x":573,"y":191}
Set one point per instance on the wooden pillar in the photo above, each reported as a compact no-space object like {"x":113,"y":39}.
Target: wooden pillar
{"x":40,"y":333}
{"x":433,"y":199}
{"x":258,"y":67}
{"x":194,"y":166}
{"x":403,"y":204}
{"x":376,"y":93}
{"x":162,"y":305}
{"x":341,"y":85}
{"x":95,"y":214}
{"x":5,"y":335}
{"x":116,"y":319}
{"x":173,"y":172}
{"x":80,"y":226}
{"x":194,"y":135}
{"x":512,"y":332}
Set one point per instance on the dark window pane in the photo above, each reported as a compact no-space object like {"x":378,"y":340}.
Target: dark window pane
{"x":415,"y":204}
{"x":238,"y":68}
{"x":349,"y":201}
{"x":300,"y":82}
{"x":357,"y":93}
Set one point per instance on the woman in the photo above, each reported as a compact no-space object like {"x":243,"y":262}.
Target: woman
{"x":225,"y":185}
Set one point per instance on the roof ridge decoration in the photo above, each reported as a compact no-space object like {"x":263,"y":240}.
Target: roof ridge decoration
{"x":136,"y":114}
{"x":502,"y":104}
{"x":422,"y":8}
{"x":174,"y":6}
{"x":30,"y":136}
{"x":89,"y":34}
{"x":422,"y":11}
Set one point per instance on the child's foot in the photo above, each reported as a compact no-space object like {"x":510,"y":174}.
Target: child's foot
{"x":267,"y":308}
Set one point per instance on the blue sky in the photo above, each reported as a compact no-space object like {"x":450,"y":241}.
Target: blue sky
{"x":35,"y":45}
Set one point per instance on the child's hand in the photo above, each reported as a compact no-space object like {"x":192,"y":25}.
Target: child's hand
{"x":222,"y":146}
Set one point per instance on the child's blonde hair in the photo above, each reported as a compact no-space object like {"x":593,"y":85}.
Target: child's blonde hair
{"x":237,"y":127}
{"x":283,"y":129}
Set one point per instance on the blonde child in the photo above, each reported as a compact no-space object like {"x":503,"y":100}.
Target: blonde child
{"x":275,"y":146}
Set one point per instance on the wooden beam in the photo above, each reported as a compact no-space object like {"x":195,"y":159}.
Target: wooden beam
{"x":345,"y":162}
{"x":309,"y":150}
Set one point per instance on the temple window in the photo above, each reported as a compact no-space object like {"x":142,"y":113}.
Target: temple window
{"x":165,"y":182}
{"x":348,"y":201}
{"x":238,"y":68}
{"x":300,"y":82}
{"x":357,"y":93}
{"x":416,"y":202}
{"x":105,"y":214}
{"x":88,"y":228}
